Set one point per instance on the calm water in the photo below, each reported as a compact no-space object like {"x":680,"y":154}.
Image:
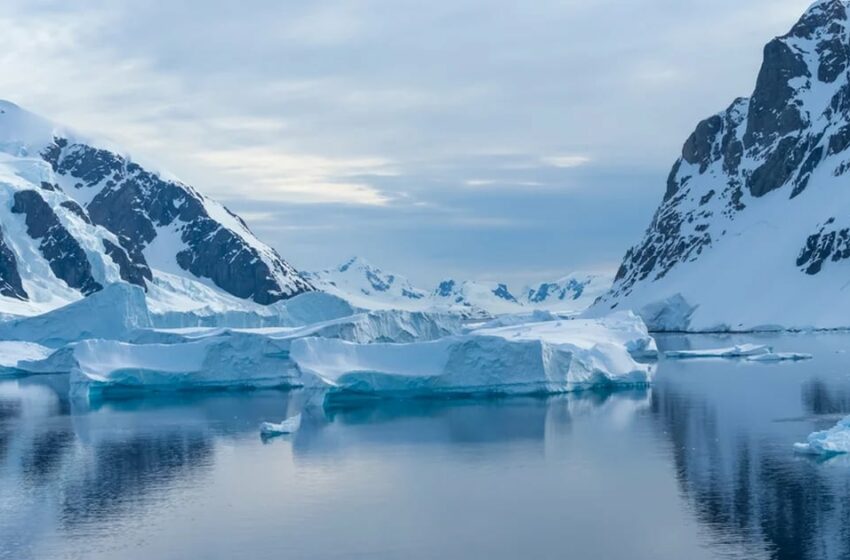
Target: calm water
{"x":701,"y":466}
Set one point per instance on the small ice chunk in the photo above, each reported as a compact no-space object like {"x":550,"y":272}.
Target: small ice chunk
{"x":737,"y":351}
{"x":288,"y":426}
{"x":834,"y":441}
{"x":780,"y":357}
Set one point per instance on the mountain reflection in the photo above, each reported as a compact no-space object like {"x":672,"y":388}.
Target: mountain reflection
{"x":736,"y":467}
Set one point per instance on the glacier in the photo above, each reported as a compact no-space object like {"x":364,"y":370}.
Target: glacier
{"x":537,"y":358}
{"x":834,"y":441}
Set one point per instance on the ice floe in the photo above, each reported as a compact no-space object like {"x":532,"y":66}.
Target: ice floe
{"x":288,"y":426}
{"x":780,"y":357}
{"x":834,"y":441}
{"x":737,"y":351}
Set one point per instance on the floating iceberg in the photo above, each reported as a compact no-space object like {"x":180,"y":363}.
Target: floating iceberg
{"x":550,"y":357}
{"x":223,"y":358}
{"x":288,"y":426}
{"x":780,"y":357}
{"x":623,"y":328}
{"x":235,"y":360}
{"x":738,"y":351}
{"x":834,"y":441}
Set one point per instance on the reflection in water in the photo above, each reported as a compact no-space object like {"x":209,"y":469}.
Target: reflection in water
{"x":733,"y":456}
{"x":91,"y":480}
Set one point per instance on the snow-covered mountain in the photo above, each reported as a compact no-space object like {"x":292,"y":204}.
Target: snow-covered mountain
{"x":570,"y":294}
{"x":754,"y":230}
{"x":367,"y":286}
{"x":77,"y":215}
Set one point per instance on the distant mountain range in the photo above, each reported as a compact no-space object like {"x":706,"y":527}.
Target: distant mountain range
{"x":753,"y":231}
{"x":365,"y":285}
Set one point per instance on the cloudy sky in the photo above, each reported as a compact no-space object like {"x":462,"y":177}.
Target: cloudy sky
{"x":493,"y":139}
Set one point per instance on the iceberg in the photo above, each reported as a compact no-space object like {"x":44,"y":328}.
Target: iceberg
{"x":235,"y":360}
{"x":623,"y":328}
{"x":834,"y":441}
{"x":738,"y":351}
{"x":223,"y":358}
{"x":288,"y":426}
{"x":538,"y":358}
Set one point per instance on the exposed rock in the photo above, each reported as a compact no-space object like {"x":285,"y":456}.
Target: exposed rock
{"x":10,"y":278}
{"x":67,"y":259}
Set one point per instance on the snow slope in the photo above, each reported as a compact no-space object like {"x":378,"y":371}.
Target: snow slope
{"x":76,"y":214}
{"x":753,"y":231}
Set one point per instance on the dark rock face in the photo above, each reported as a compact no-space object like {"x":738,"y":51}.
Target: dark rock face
{"x":772,"y":114}
{"x":129,"y":271}
{"x":132,"y":203}
{"x":10,"y":278}
{"x":76,"y":209}
{"x":446,"y":288}
{"x":831,"y":243}
{"x":768,"y":145}
{"x":502,"y":292}
{"x":571,"y":290}
{"x":66,"y":257}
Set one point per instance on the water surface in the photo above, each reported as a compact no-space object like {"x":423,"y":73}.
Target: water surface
{"x":699,"y":466}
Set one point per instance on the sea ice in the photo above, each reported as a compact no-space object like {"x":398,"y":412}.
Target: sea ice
{"x":288,"y":426}
{"x":834,"y":441}
{"x":780,"y":357}
{"x":737,"y":351}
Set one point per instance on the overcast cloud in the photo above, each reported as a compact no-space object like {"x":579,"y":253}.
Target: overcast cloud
{"x":483,"y":139}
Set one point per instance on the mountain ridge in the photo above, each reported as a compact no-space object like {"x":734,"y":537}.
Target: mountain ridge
{"x":750,"y":234}
{"x":93,"y":216}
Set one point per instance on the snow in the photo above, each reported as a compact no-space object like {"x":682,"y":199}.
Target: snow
{"x":23,"y":137}
{"x":228,"y":361}
{"x":751,"y":274}
{"x":834,"y":441}
{"x":116,"y":312}
{"x":552,"y":357}
{"x":12,"y":353}
{"x":288,"y":426}
{"x":737,"y":351}
{"x":203,"y":358}
{"x":571,"y":294}
{"x":369,"y":287}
